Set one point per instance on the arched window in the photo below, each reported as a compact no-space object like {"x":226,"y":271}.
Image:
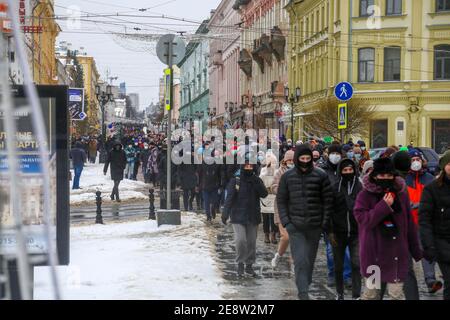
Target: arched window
{"x":442,"y":62}
{"x":366,"y":65}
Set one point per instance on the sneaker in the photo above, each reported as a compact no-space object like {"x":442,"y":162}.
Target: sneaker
{"x":340,"y":297}
{"x":249,"y":270}
{"x":356,"y":298}
{"x":240,"y":270}
{"x":434,"y":287}
{"x":304,"y":296}
{"x":112,"y":197}
{"x":276,"y":260}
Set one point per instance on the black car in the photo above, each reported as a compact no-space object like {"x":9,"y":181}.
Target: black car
{"x":430,"y":155}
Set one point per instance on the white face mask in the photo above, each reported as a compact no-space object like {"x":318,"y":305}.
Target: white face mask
{"x":416,"y":166}
{"x":335,"y":158}
{"x":363,"y":148}
{"x":290,"y":166}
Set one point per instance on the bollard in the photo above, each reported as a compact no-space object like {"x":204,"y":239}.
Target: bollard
{"x":98,"y":218}
{"x":151,"y":198}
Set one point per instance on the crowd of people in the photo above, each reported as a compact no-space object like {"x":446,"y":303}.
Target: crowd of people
{"x":373,"y":215}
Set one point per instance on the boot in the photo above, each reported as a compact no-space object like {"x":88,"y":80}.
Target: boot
{"x":112,"y":196}
{"x":240,"y":270}
{"x":266,"y":238}
{"x":273,"y":238}
{"x":249,"y":270}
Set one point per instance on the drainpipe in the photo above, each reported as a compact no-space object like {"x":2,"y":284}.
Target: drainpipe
{"x":350,"y":45}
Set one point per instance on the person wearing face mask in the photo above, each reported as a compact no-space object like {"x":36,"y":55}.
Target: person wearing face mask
{"x":305,"y":203}
{"x":434,"y":221}
{"x":270,"y":165}
{"x":388,"y":236}
{"x":330,"y":167}
{"x":130,"y":153}
{"x":316,"y":159}
{"x":243,"y":208}
{"x":416,"y":180}
{"x":118,"y":161}
{"x":344,"y":227}
{"x":286,"y":164}
{"x":144,"y":160}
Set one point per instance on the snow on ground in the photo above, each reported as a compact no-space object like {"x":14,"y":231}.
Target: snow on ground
{"x":138,"y":260}
{"x":92,"y":178}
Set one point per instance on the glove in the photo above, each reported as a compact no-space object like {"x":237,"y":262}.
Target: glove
{"x":430,"y":255}
{"x":224,"y":219}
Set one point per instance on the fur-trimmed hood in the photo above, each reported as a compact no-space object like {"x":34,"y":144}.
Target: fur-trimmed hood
{"x":399,"y":185}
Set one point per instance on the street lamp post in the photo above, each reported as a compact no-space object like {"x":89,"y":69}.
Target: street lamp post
{"x":211,"y":113}
{"x":103,"y":97}
{"x":292,"y":99}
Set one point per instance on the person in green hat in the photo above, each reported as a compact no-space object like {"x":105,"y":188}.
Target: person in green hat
{"x":434,"y":221}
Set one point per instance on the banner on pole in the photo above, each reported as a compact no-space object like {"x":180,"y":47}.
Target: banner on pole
{"x":167,"y":76}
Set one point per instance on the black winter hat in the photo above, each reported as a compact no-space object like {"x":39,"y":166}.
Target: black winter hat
{"x":335,"y":148}
{"x":383,"y":165}
{"x":302,"y":149}
{"x":402,"y":161}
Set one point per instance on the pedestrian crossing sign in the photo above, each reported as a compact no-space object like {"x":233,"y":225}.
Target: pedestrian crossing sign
{"x":167,"y":75}
{"x":342,"y":116}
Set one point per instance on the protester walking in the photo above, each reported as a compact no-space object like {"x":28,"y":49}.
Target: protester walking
{"x":117,"y":161}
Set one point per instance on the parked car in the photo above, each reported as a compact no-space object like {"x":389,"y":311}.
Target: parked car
{"x":430,"y":155}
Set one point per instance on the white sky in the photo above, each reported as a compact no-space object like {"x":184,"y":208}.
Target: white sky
{"x":133,"y":62}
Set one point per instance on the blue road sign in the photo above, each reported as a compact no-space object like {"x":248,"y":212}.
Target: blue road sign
{"x":344,"y":91}
{"x":82,"y":115}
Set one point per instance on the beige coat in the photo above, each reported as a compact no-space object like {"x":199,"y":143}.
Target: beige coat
{"x":274,"y":188}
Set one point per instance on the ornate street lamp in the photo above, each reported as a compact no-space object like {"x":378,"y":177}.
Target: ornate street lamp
{"x":293,"y":98}
{"x":103,"y":97}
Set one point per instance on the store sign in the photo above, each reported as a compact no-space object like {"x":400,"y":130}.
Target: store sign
{"x":22,"y":12}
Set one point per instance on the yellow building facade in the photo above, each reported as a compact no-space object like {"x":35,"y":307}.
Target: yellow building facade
{"x":396,"y":54}
{"x":43,"y":57}
{"x":91,"y":78}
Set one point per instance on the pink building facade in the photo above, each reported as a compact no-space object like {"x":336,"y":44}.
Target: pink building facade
{"x":224,"y":72}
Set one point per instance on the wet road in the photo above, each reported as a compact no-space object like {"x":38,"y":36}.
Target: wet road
{"x":277,"y":284}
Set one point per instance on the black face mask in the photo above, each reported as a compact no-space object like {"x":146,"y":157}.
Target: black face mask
{"x":385,"y":184}
{"x":316,"y":159}
{"x":348,"y":176}
{"x":248,"y":173}
{"x":305,"y":165}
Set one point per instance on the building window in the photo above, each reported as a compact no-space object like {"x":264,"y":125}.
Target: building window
{"x":379,"y":134}
{"x":442,"y":62}
{"x":392,"y":62}
{"x":366,"y":65}
{"x":442,"y":5}
{"x":364,"y":6}
{"x":441,"y":135}
{"x":393,"y":7}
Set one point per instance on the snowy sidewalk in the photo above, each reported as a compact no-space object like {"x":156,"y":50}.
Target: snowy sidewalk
{"x":92,"y":178}
{"x":137,"y":260}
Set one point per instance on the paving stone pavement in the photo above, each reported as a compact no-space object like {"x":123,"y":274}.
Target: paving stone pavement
{"x":278,"y":284}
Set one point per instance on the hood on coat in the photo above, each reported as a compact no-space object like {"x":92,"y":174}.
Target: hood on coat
{"x":117,"y":143}
{"x":300,"y":150}
{"x":399,"y":185}
{"x":344,"y":163}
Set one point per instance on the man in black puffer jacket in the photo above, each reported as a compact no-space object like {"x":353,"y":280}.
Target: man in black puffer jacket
{"x":305,"y":204}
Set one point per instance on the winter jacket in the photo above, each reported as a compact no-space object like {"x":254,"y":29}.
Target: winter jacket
{"x":144,"y":158}
{"x":78,"y":155}
{"x":267,"y":176}
{"x":92,"y":148}
{"x":187,"y":175}
{"x":390,"y":253}
{"x":305,"y":199}
{"x":242,"y":203}
{"x":118,"y":161}
{"x":210,"y":176}
{"x":153,"y":161}
{"x":332,"y":171}
{"x":434,"y":221}
{"x":416,"y":182}
{"x":343,"y":220}
{"x":162,"y":168}
{"x":274,"y":189}
{"x":130,"y":153}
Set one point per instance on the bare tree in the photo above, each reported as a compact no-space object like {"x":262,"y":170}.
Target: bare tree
{"x":323,"y":121}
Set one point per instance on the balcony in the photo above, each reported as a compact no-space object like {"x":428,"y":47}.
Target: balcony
{"x":217,"y":58}
{"x":262,"y":51}
{"x":237,"y":5}
{"x":277,"y":43}
{"x":245,"y":62}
